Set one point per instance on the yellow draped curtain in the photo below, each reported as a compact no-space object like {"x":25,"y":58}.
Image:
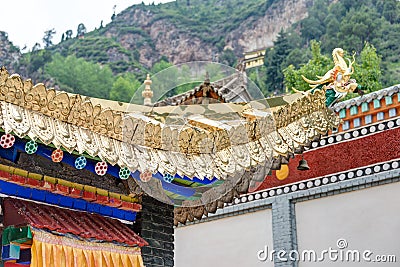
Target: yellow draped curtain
{"x":49,"y":250}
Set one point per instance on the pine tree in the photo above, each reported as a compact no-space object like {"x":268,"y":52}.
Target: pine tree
{"x":47,"y":38}
{"x":274,"y":58}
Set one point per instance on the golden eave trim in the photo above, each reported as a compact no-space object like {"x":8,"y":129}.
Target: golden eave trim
{"x":149,"y":122}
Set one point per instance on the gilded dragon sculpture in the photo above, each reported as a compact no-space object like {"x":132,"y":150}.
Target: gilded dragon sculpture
{"x":336,"y":82}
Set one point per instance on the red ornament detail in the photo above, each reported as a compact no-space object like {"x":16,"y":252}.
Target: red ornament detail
{"x":57,"y":155}
{"x":7,"y":140}
{"x":145,"y":176}
{"x":101,"y":168}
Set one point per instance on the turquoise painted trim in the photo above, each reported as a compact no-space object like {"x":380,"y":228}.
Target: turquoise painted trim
{"x":377,"y":103}
{"x":353,"y":110}
{"x":388,"y":100}
{"x":342,"y":113}
{"x":357,"y":122}
{"x":364,"y":107}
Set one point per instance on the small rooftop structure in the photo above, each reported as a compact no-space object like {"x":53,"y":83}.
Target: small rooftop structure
{"x":147,"y":92}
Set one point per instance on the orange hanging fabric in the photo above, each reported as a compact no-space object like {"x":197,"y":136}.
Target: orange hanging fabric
{"x":49,"y":250}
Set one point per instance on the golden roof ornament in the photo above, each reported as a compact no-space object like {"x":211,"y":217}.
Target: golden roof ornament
{"x":147,"y":92}
{"x":225,"y":146}
{"x":337,"y":82}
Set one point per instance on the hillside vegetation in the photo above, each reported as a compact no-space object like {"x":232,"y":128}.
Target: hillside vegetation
{"x":112,"y":61}
{"x":369,"y":28}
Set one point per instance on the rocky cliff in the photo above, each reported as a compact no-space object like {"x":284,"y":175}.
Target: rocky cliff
{"x":143,"y":30}
{"x":9,"y":54}
{"x":181,"y":31}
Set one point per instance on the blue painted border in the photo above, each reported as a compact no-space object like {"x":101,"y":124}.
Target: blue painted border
{"x":12,"y":189}
{"x":68,"y":158}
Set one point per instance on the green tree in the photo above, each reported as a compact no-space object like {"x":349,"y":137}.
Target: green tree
{"x":164,"y":79}
{"x":313,"y":27}
{"x":37,"y":59}
{"x":297,"y":57}
{"x":359,"y":26}
{"x":228,"y":57}
{"x":274,"y":57}
{"x":161,"y":65}
{"x":257,"y":75}
{"x":391,"y":11}
{"x":68,"y":34}
{"x":367,"y":70}
{"x":124,"y":88}
{"x":317,"y":65}
{"x":348,"y":4}
{"x":329,"y":40}
{"x":81,"y":30}
{"x":81,"y":77}
{"x":47,"y":38}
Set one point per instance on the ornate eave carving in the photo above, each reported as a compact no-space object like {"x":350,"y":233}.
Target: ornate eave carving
{"x":229,"y":140}
{"x":73,"y":122}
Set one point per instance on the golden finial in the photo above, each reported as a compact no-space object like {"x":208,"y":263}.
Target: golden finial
{"x":147,"y":92}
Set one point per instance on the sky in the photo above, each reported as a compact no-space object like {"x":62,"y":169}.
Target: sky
{"x":25,"y":21}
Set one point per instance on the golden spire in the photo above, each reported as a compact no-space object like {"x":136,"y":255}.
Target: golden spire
{"x":147,"y":92}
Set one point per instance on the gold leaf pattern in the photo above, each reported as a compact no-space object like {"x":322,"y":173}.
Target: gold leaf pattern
{"x":218,"y":145}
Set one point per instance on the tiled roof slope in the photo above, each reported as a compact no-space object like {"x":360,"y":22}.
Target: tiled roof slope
{"x":367,"y":98}
{"x":65,"y":221}
{"x":230,"y":89}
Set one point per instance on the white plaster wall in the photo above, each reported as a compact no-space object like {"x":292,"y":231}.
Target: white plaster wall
{"x":227,"y":242}
{"x":368,"y":219}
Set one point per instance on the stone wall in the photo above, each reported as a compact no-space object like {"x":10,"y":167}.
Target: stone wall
{"x":156,"y":225}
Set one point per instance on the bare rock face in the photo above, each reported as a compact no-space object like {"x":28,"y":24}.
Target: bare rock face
{"x":179,"y":47}
{"x":154,"y":38}
{"x":142,"y":34}
{"x":9,"y":54}
{"x":254,"y":35}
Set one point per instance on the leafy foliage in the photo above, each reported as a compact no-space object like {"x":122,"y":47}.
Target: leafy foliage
{"x":79,"y":76}
{"x":228,"y":57}
{"x":274,"y":59}
{"x":317,"y":65}
{"x":81,"y":30}
{"x":124,"y":88}
{"x":171,"y":81}
{"x":369,"y":27}
{"x":194,"y":16}
{"x":367,"y":69}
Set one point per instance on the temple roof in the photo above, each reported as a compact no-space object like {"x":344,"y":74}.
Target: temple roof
{"x":77,"y":123}
{"x":65,"y":221}
{"x":195,"y":144}
{"x":227,"y":90}
{"x":367,"y":98}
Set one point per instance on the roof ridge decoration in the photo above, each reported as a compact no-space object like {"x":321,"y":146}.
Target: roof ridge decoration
{"x":367,"y":98}
{"x":223,"y":88}
{"x":79,"y":111}
{"x":336,"y":82}
{"x":255,"y":136}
